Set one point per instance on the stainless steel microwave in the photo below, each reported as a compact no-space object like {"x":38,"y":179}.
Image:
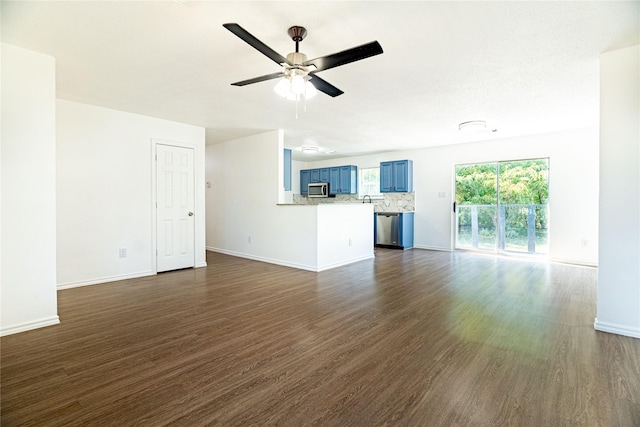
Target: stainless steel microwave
{"x":319,"y":189}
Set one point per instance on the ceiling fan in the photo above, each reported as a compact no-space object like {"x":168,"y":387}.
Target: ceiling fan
{"x":299,"y":70}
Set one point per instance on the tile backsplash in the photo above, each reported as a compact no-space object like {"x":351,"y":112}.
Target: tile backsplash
{"x":391,"y":202}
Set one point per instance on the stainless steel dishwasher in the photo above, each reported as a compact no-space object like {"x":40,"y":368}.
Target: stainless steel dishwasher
{"x":388,"y":229}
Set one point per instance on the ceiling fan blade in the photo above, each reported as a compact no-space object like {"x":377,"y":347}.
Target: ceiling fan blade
{"x":324,"y":86}
{"x":259,"y":79}
{"x":345,"y":57}
{"x":256,"y":44}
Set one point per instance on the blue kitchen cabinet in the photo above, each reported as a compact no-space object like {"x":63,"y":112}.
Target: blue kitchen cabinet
{"x":305,"y":179}
{"x":315,"y":175}
{"x":406,"y":230}
{"x":393,"y":229}
{"x":343,"y":180}
{"x":324,"y":175}
{"x":334,"y":180}
{"x":348,"y":180}
{"x":396,"y":176}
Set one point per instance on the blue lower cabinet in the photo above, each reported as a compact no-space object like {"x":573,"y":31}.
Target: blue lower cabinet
{"x":406,"y":230}
{"x":393,"y":229}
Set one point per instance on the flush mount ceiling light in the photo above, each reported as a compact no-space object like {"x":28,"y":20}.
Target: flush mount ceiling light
{"x":310,"y":149}
{"x":474,"y":126}
{"x":314,"y":149}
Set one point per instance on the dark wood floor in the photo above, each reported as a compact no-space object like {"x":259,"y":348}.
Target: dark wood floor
{"x":412,"y":338}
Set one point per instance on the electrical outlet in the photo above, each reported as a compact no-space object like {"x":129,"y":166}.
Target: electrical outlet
{"x":350,"y":242}
{"x":249,"y":239}
{"x":122,"y":252}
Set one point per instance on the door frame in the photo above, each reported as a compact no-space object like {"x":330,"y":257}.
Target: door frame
{"x":198,"y":205}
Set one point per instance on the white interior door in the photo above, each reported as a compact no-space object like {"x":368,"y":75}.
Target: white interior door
{"x":175,"y":226}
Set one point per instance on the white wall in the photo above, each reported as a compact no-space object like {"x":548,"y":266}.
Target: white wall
{"x":619,"y":269}
{"x":573,"y":199}
{"x":244,"y":218}
{"x":242,"y":203}
{"x":28,"y":264}
{"x":105,"y":190}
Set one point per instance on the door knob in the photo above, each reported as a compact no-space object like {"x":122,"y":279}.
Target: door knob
{"x":190,"y":213}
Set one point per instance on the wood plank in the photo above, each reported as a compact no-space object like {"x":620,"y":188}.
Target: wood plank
{"x":410,"y":338}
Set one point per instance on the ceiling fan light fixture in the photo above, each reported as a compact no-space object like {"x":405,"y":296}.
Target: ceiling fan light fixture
{"x":294,"y":87}
{"x":310,"y":90}
{"x":282,"y":87}
{"x":298,"y":84}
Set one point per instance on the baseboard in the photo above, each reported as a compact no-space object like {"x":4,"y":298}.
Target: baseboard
{"x":263,"y":259}
{"x":27,"y":326}
{"x":433,"y":248}
{"x":576,"y":262}
{"x":340,"y":264}
{"x":105,"y":280}
{"x":306,"y":267}
{"x":614,"y":328}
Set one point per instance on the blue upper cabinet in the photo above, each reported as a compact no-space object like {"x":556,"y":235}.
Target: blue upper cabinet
{"x":396,"y":176}
{"x":341,"y":179}
{"x":334,"y":180}
{"x":386,"y":177}
{"x":403,"y":175}
{"x":324,"y":175}
{"x":348,"y":180}
{"x":305,"y":179}
{"x":287,"y":169}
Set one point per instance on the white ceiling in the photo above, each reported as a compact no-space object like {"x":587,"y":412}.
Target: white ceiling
{"x":523,"y":67}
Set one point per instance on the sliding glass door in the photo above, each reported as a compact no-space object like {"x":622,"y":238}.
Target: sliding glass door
{"x":502,"y":206}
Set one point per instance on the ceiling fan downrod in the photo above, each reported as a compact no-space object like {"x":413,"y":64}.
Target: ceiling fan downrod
{"x":297,"y":34}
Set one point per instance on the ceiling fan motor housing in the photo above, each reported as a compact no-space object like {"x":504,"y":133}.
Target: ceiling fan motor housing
{"x":297,"y":58}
